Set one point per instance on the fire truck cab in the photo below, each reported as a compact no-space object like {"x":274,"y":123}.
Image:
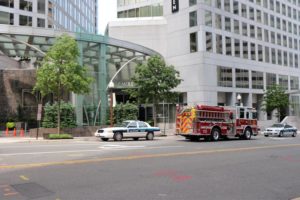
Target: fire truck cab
{"x":215,"y":122}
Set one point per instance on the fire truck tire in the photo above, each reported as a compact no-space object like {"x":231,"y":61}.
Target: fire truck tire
{"x":215,"y":134}
{"x":247,"y":134}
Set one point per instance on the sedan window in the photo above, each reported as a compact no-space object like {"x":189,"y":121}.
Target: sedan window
{"x":132,"y":125}
{"x":142,"y":125}
{"x":277,"y":125}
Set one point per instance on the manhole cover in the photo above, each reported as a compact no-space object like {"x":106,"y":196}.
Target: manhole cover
{"x":32,"y":190}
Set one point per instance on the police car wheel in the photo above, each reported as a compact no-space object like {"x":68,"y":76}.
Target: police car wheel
{"x":149,"y":136}
{"x":280,"y":134}
{"x":118,"y":136}
{"x":294,"y":134}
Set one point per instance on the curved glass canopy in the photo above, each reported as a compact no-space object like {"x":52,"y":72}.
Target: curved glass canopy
{"x":103,"y":55}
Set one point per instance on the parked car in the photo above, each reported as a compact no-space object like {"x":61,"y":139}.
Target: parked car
{"x":129,"y":129}
{"x":280,"y":130}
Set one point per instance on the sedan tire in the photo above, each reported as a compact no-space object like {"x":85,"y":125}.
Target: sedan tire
{"x":118,"y":136}
{"x":149,"y":136}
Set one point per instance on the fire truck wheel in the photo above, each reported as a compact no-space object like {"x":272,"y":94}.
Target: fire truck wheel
{"x":247,"y":134}
{"x":215,"y":134}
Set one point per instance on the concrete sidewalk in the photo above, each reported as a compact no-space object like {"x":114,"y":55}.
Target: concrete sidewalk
{"x":7,"y":140}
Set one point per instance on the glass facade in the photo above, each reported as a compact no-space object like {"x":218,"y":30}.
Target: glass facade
{"x":70,"y":15}
{"x":140,"y":8}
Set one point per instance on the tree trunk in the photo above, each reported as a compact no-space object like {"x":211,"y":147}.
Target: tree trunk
{"x":58,"y":111}
{"x":154,"y":114}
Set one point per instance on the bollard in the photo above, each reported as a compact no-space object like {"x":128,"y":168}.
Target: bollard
{"x":6,"y":132}
{"x":15,"y":132}
{"x":21,"y":132}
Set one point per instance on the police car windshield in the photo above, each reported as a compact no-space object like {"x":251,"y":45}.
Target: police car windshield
{"x":277,"y":125}
{"x":125,"y":124}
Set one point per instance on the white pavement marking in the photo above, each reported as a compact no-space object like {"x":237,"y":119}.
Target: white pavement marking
{"x":81,"y":151}
{"x":280,"y":138}
{"x":50,"y":145}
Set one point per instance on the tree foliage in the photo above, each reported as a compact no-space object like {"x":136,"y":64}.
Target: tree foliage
{"x":127,"y":111}
{"x":68,"y":119}
{"x":276,"y":98}
{"x":60,"y":72}
{"x":153,"y":82}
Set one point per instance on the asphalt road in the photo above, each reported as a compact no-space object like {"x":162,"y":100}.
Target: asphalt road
{"x":168,"y":168}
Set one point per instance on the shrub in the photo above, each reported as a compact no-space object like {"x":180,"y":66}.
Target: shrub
{"x":60,"y":136}
{"x":68,"y":119}
{"x":10,"y":125}
{"x":127,"y":111}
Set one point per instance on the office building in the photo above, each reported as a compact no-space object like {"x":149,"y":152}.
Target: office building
{"x":225,"y":49}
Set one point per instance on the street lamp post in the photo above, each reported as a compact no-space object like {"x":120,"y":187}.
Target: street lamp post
{"x":239,"y":98}
{"x":111,"y":86}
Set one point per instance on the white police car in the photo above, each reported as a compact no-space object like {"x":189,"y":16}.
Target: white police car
{"x":280,"y":130}
{"x":129,"y":129}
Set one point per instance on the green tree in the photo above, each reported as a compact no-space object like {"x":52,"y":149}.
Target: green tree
{"x":60,"y":72}
{"x":153,"y":82}
{"x":276,"y":98}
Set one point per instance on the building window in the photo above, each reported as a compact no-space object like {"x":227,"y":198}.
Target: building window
{"x":285,"y":58}
{"x":252,"y":31}
{"x":208,"y":2}
{"x":236,"y":7}
{"x":296,"y":61}
{"x":271,"y":80}
{"x":227,"y":5}
{"x":25,"y":5}
{"x":193,"y":18}
{"x":218,"y":4}
{"x":192,"y":2}
{"x":244,"y":29}
{"x":257,"y":80}
{"x":218,"y":21}
{"x":273,"y":55}
{"x":253,"y":51}
{"x":279,"y":57}
{"x":6,"y":18}
{"x":228,"y":46}
{"x":245,"y":50}
{"x":244,"y":10}
{"x":267,"y":54}
{"x":209,"y":41}
{"x":242,"y":78}
{"x":25,"y":20}
{"x":283,"y":81}
{"x":7,"y":3}
{"x":251,"y":13}
{"x":258,"y":16}
{"x":41,"y":22}
{"x":236,"y":27}
{"x":294,"y":82}
{"x":41,"y":6}
{"x":291,"y":59}
{"x":208,"y":18}
{"x":224,"y":76}
{"x":260,"y":53}
{"x":219,"y":48}
{"x":193,"y":42}
{"x":237,"y":51}
{"x":227,"y":24}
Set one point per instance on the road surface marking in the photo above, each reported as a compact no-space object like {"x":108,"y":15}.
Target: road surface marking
{"x":76,"y":155}
{"x":24,"y":178}
{"x":10,"y":194}
{"x":145,"y":156}
{"x":81,"y":151}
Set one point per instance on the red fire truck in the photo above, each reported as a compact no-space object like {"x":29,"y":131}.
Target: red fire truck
{"x":215,"y":122}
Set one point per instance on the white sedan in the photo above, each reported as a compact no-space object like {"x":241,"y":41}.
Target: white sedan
{"x":280,"y":130}
{"x":129,"y":129}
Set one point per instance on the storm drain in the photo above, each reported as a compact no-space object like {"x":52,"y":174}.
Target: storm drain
{"x":32,"y":190}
